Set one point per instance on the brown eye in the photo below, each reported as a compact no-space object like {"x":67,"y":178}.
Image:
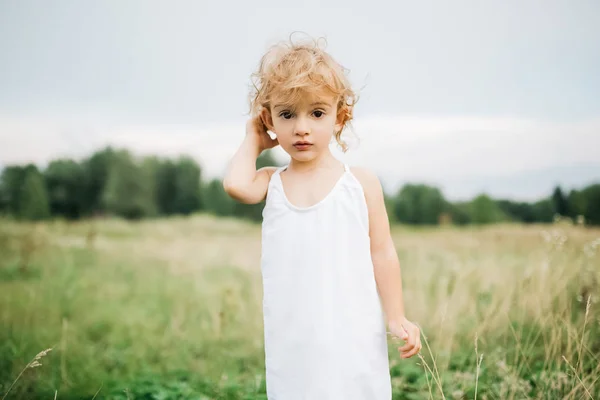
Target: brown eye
{"x":285,"y":114}
{"x":318,"y":113}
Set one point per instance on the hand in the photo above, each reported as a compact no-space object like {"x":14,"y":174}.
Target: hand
{"x":410,"y":333}
{"x":257,"y":132}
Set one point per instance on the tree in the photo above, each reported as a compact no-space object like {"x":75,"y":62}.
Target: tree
{"x":11,"y":184}
{"x":591,"y":210}
{"x":419,"y":204}
{"x":560,"y":202}
{"x":165,"y":185}
{"x":187,"y":186}
{"x":577,"y":205}
{"x":96,"y":170}
{"x":129,"y":188}
{"x":460,"y":213}
{"x":484,"y":210}
{"x":517,"y":211}
{"x":66,"y":185}
{"x":33,"y":201}
{"x":216,"y":200}
{"x":543,"y":210}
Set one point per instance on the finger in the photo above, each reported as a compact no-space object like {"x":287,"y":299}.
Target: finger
{"x":406,"y":347}
{"x":417,"y":331}
{"x":412,"y":338}
{"x":418,"y":346}
{"x":411,"y":353}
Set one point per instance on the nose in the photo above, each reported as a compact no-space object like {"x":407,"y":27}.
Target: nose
{"x":302,"y":126}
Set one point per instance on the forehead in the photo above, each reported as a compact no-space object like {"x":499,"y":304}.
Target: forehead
{"x":302,"y":100}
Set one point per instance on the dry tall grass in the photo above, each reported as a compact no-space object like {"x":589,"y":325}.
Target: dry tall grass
{"x":507,"y":312}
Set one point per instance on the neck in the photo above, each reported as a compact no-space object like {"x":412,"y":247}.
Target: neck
{"x":325,"y":160}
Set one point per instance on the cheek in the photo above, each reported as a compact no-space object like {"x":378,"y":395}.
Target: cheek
{"x":285,"y":141}
{"x":279,"y":127}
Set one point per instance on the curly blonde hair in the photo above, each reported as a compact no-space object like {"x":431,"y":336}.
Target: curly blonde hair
{"x":288,"y":71}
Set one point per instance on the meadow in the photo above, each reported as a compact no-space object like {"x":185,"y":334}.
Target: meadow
{"x":171,"y":309}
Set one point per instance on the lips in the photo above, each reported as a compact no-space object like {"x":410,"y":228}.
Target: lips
{"x":302,"y":145}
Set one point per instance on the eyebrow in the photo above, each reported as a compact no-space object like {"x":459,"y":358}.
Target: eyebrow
{"x":317,"y":103}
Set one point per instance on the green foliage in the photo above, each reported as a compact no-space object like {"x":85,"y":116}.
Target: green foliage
{"x":96,"y":170}
{"x":187,"y":186}
{"x":577,"y":203}
{"x":460,"y":213}
{"x":11,"y":183}
{"x":559,"y":202}
{"x":129,"y":188}
{"x":216,"y":200}
{"x":33,"y":200}
{"x":165,"y":184}
{"x":113,"y":181}
{"x":517,"y":211}
{"x":181,"y":386}
{"x":66,"y":181}
{"x":176,"y":185}
{"x":134,"y":325}
{"x":591,"y":209}
{"x":484,"y":210}
{"x":419,"y":204}
{"x":543,"y":210}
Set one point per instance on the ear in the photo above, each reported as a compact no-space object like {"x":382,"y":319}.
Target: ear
{"x":267,"y":119}
{"x":339,"y":120}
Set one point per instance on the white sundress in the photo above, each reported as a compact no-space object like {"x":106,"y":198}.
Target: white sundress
{"x":324,"y":327}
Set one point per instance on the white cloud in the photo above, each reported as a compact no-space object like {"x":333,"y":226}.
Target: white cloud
{"x":439,"y":147}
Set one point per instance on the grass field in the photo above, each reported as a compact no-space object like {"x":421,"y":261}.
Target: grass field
{"x":171,"y":309}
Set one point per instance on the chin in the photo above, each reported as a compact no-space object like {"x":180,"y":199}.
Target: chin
{"x":297,"y":155}
{"x":303,"y":156}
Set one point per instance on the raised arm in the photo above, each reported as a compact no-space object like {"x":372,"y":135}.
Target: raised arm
{"x":242,"y":181}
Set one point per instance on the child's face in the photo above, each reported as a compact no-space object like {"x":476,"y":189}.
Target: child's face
{"x":304,"y":130}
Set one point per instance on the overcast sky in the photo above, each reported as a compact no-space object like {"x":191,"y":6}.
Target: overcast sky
{"x":494,"y":96}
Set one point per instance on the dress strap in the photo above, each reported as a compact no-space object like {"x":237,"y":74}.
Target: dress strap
{"x":279,"y":170}
{"x":276,"y":177}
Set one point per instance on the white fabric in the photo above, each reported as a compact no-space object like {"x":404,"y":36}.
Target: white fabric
{"x":324,"y":327}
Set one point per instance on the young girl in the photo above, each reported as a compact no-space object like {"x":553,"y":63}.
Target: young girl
{"x":331,"y":277}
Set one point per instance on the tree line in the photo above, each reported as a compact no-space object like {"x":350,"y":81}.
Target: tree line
{"x":420,"y":204}
{"x":114,"y":182}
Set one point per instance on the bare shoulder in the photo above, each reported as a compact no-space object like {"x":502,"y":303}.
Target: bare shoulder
{"x":269,"y":171}
{"x":255,"y":191}
{"x":369,"y":181}
{"x":264,"y":175}
{"x":374,"y":197}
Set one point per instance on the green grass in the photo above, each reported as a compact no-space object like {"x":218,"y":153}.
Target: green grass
{"x":171,"y":309}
